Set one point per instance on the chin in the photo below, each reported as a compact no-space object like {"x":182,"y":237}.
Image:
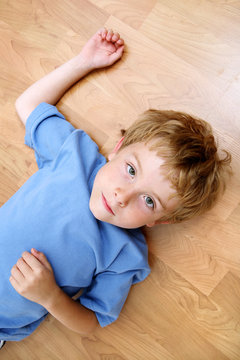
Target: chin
{"x":93,"y":211}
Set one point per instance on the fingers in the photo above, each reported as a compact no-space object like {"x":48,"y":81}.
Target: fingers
{"x":22,"y":266}
{"x":19,"y":272}
{"x":117,"y":54}
{"x":110,"y":36}
{"x":103,"y":33}
{"x":41,"y":257}
{"x":30,"y":262}
{"x":14,"y":282}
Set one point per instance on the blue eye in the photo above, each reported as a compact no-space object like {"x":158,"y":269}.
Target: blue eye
{"x":130,"y":170}
{"x":149,"y":202}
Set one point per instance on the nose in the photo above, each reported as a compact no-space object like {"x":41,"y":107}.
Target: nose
{"x":122,"y":196}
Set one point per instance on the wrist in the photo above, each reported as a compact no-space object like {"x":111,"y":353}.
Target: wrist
{"x":53,"y":299}
{"x":81,"y":65}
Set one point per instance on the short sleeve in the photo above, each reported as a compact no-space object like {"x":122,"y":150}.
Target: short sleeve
{"x":46,"y":131}
{"x":108,"y":293}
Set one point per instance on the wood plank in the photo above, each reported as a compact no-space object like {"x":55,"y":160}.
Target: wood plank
{"x":181,"y":55}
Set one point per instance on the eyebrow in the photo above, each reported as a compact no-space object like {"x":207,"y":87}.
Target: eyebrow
{"x":140,"y":167}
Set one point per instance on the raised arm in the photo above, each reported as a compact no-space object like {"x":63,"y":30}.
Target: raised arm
{"x":102,"y":50}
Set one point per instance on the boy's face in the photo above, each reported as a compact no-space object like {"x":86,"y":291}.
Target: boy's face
{"x":130,"y":190}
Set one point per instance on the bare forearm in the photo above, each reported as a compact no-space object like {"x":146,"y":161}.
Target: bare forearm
{"x":102,"y":50}
{"x":72,"y":314}
{"x":51,"y":87}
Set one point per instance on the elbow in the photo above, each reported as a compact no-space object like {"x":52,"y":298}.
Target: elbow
{"x":18,"y":107}
{"x":89,"y":328}
{"x":21,"y":110}
{"x":18,"y":104}
{"x":92,"y":326}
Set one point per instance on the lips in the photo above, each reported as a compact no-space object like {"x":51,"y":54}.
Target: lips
{"x":107,"y":207}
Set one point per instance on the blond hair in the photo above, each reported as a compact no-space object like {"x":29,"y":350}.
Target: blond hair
{"x":193,"y":165}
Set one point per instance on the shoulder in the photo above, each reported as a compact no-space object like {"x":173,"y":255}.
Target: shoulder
{"x":126,"y":250}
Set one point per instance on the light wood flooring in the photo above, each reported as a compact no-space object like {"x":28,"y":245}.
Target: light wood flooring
{"x":181,"y":55}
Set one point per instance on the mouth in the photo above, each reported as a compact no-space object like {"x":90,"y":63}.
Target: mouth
{"x":107,"y":207}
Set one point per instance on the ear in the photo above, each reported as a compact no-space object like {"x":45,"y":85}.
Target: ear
{"x":157,"y":223}
{"x":115,"y":150}
{"x":151,"y":225}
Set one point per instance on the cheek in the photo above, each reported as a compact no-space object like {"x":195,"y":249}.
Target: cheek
{"x":103,"y":176}
{"x":142,"y":210}
{"x":138,"y":215}
{"x":109,"y":173}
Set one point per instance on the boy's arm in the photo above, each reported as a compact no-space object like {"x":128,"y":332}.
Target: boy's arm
{"x":102,"y":50}
{"x":33,"y":278}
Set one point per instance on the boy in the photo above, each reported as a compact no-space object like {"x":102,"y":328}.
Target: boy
{"x":84,"y":214}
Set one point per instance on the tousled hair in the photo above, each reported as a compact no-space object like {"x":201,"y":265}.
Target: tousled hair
{"x":192,"y":162}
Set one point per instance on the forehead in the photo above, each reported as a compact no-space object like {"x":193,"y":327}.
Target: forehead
{"x":144,"y":156}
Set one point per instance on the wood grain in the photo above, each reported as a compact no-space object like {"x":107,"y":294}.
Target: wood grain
{"x":181,"y":55}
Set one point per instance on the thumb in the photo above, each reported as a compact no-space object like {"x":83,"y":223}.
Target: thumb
{"x":117,"y":54}
{"x":41,"y":257}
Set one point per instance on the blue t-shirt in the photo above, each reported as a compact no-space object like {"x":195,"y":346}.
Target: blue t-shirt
{"x":50,"y":212}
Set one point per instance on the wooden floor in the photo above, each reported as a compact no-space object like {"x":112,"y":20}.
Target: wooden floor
{"x":181,"y":55}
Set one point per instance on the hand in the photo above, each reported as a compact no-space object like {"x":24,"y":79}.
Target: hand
{"x":103,"y":49}
{"x":33,"y":278}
